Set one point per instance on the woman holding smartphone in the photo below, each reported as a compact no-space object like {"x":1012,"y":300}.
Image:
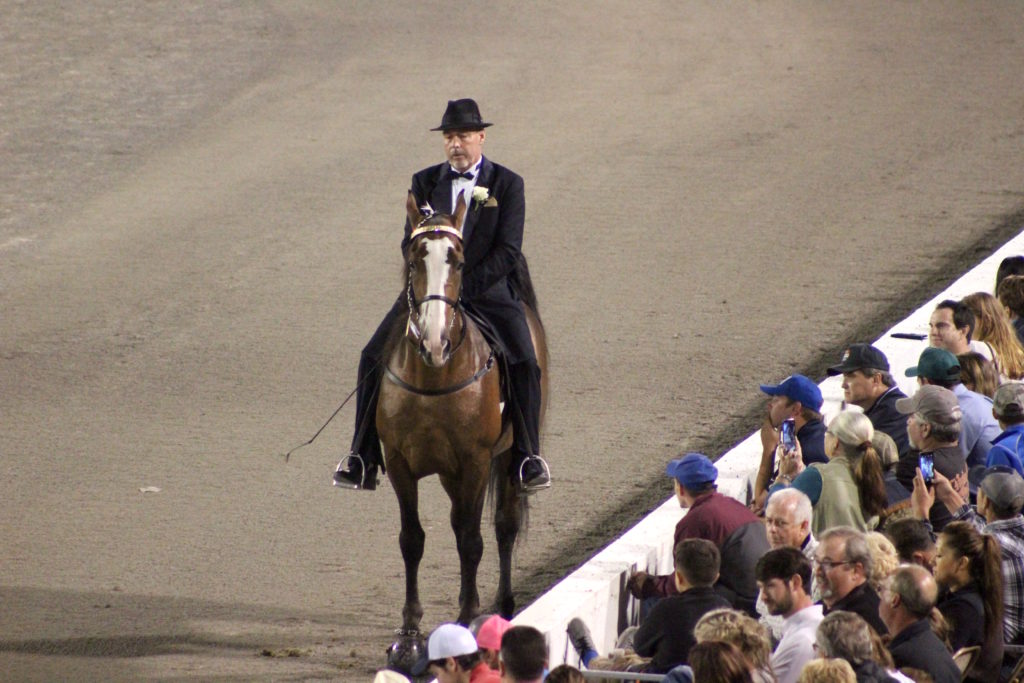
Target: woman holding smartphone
{"x":848,"y":490}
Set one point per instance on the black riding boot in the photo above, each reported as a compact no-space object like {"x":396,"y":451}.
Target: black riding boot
{"x":529,"y":471}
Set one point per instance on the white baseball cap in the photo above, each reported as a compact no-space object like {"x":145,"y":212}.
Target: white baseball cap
{"x":447,"y":640}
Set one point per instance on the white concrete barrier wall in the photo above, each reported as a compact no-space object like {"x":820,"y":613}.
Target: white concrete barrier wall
{"x":596,"y":591}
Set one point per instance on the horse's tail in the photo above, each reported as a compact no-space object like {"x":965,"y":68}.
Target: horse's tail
{"x":523,"y":286}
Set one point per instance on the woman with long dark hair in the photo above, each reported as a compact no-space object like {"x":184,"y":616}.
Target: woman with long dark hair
{"x":968,"y":568}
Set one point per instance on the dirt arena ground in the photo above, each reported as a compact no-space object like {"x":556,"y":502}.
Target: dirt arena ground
{"x":200,"y":209}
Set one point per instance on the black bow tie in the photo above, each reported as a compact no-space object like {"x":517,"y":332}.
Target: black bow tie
{"x":455,"y":175}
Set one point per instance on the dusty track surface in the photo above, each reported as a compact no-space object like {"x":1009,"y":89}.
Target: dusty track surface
{"x":200,"y":208}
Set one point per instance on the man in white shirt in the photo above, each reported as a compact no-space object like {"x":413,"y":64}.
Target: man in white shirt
{"x":784,"y":578}
{"x":788,"y":518}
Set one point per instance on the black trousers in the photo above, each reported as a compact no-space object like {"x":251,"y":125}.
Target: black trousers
{"x":505,"y":314}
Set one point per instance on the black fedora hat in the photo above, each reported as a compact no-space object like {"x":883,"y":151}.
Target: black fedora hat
{"x":461,"y":115}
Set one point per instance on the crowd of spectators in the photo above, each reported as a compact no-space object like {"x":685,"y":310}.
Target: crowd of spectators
{"x":875,"y":547}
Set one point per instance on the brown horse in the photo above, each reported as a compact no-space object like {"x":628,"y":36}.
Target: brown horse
{"x":439,"y":413}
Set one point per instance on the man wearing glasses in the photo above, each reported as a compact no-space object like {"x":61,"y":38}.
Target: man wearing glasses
{"x":842,"y":567}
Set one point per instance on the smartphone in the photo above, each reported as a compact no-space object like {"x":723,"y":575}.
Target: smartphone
{"x":928,"y":467}
{"x":787,"y":433}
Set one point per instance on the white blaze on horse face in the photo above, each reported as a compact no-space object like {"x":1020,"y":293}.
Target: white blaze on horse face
{"x":433,"y":313}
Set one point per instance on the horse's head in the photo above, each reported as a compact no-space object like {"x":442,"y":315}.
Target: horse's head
{"x":434,"y":260}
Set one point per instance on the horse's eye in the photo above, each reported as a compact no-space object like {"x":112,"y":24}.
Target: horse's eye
{"x":458,"y":266}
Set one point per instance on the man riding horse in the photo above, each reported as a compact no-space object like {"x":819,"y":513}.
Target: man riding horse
{"x":493,"y":238}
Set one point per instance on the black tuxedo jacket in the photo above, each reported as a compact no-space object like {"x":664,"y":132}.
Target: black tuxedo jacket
{"x":492,"y":236}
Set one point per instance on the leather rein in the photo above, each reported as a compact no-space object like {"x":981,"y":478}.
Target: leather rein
{"x":458,"y":311}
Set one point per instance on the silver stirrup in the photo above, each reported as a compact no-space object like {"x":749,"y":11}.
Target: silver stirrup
{"x":530,"y":490}
{"x":342,"y":465}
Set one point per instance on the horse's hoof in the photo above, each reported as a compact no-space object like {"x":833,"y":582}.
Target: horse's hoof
{"x":404,"y":653}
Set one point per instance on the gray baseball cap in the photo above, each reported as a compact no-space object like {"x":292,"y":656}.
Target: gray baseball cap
{"x":934,"y":403}
{"x":1004,"y":487}
{"x":1009,"y":400}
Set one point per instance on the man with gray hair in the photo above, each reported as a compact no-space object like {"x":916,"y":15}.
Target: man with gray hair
{"x":933,"y":427}
{"x":868,"y":384}
{"x":842,"y":567}
{"x":788,"y":518}
{"x":907,"y":599}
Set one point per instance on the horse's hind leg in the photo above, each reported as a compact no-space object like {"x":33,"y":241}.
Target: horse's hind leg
{"x":410,"y":539}
{"x":467,"y":498}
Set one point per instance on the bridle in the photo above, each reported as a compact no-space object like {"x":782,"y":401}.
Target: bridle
{"x":414,"y":329}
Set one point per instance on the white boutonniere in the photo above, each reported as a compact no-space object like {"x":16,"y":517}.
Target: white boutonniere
{"x":480,"y":195}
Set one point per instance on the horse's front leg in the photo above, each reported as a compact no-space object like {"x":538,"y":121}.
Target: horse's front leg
{"x":467,"y":495}
{"x":410,"y":539}
{"x":509,"y":510}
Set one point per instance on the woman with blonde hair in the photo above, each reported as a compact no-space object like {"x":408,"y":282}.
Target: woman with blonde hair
{"x":849,"y":489}
{"x":827,"y":671}
{"x":749,"y":636}
{"x":993,"y":327}
{"x":884,"y":558}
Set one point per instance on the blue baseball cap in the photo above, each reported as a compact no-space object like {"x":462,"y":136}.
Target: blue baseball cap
{"x":693,"y":470}
{"x":797,"y":388}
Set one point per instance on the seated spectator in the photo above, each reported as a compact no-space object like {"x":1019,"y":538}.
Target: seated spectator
{"x":951,"y":327}
{"x":719,"y":662}
{"x":978,"y":373}
{"x":848,"y":490}
{"x":847,"y":636}
{"x":1011,"y":295}
{"x":1000,"y":498}
{"x":933,"y":425}
{"x":906,"y":603}
{"x":913,"y":542}
{"x":827,"y":671}
{"x":738,"y":534}
{"x":897,"y":495}
{"x":884,"y":559}
{"x":666,"y":636}
{"x":967,"y":570}
{"x":843,"y":570}
{"x":565,"y":674}
{"x":788,"y":519}
{"x":993,"y":327}
{"x":1011,"y":265}
{"x":1008,"y":409}
{"x":524,"y":655}
{"x":748,"y":636}
{"x":488,"y":639}
{"x":797,"y":398}
{"x":452,"y":656}
{"x":868,"y":385}
{"x":784,"y":578}
{"x":978,"y":428}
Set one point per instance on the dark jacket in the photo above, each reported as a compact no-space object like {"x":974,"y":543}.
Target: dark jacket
{"x":949,"y":461}
{"x":492,"y":237}
{"x":667,"y":634}
{"x":812,"y":441}
{"x":917,"y":647}
{"x":862,"y":600}
{"x":886,"y":418}
{"x":872,"y":672}
{"x":964,"y":611}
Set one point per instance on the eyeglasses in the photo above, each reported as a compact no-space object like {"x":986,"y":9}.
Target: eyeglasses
{"x":828,"y":565}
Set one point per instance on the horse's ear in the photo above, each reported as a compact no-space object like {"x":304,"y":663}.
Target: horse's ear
{"x":415,"y":217}
{"x":460,"y":211}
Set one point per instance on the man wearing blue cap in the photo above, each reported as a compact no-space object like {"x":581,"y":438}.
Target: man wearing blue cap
{"x":797,"y":398}
{"x":739,"y":535}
